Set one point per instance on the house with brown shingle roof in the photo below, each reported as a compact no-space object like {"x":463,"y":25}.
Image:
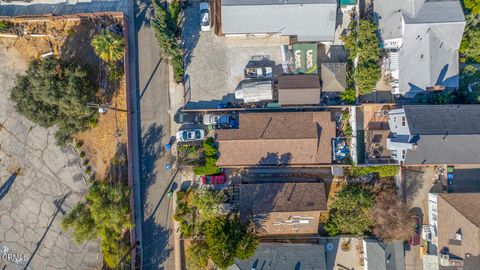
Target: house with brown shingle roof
{"x":456,"y":230}
{"x":278,"y":138}
{"x":283,"y":208}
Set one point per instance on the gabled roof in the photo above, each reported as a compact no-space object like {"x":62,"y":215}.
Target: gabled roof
{"x":443,"y":134}
{"x":278,"y":138}
{"x":265,"y":198}
{"x":429,"y":55}
{"x":278,"y":256}
{"x":466,"y":205}
{"x":431,"y":32}
{"x":443,"y":119}
{"x":309,"y":20}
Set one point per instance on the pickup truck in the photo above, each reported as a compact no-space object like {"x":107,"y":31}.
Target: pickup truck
{"x":260,"y":72}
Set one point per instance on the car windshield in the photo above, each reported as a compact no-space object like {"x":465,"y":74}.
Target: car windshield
{"x":197,"y":133}
{"x":185,"y":135}
{"x":205,"y":19}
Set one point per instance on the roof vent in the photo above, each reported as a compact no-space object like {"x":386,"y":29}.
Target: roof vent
{"x":458,"y":235}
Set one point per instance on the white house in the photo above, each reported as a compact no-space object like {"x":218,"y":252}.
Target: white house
{"x":422,"y":40}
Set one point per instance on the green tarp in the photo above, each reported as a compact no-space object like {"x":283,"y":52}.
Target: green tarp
{"x":305,"y":59}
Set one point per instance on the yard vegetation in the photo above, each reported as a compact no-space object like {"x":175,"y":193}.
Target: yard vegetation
{"x":105,"y":214}
{"x":202,"y":158}
{"x":217,"y":236}
{"x":167,"y":32}
{"x":55,"y":93}
{"x":362,"y":44}
{"x":382,"y":171}
{"x":350,"y":212}
{"x":370,"y":209}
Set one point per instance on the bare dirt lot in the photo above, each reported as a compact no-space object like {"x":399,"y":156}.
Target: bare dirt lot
{"x":39,"y":181}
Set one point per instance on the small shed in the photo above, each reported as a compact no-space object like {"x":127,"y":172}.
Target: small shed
{"x":334,"y":77}
{"x":299,"y":90}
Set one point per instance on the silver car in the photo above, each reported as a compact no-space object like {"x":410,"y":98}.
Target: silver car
{"x":190,"y":135}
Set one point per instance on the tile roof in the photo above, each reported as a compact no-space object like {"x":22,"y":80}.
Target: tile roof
{"x":278,"y":138}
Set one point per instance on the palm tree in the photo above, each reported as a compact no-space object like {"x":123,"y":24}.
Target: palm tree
{"x":108,"y":46}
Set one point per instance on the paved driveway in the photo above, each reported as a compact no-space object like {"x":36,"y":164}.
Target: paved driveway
{"x":215,"y":65}
{"x":48,"y":184}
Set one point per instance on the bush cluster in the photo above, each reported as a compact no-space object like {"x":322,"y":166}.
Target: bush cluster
{"x":363,"y":46}
{"x":210,"y":152}
{"x":382,"y":171}
{"x":167,"y":33}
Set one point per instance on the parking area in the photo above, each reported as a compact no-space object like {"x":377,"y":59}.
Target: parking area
{"x":417,"y":183}
{"x":215,"y":65}
{"x":39,"y":184}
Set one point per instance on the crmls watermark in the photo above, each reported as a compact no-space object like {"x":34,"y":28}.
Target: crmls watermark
{"x":13,"y":257}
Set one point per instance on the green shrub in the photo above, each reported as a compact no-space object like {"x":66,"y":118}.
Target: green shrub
{"x":362,"y":42}
{"x":210,"y":151}
{"x":350,"y":212}
{"x":382,"y":171}
{"x":349,"y":96}
{"x":4,"y":25}
{"x":52,"y":93}
{"x":165,"y":27}
{"x":105,"y":214}
{"x":209,"y":168}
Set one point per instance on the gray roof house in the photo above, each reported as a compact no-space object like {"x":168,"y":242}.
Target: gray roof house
{"x":435,"y":134}
{"x":278,"y":256}
{"x":334,"y":77}
{"x":383,"y":256}
{"x":308,"y":20}
{"x":422,"y":38}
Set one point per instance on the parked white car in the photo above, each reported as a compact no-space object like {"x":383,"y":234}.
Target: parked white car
{"x":205,"y":16}
{"x":190,"y":135}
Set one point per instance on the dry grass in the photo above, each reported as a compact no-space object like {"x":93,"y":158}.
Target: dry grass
{"x":335,"y":186}
{"x":70,"y":41}
{"x":100,"y":143}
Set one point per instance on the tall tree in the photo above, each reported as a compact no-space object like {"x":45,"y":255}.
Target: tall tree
{"x":227,"y":238}
{"x":108,"y":46}
{"x":350,"y":212}
{"x":106,"y":213}
{"x":392,"y":219}
{"x":52,"y":93}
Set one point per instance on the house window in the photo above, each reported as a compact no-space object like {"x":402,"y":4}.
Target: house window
{"x":404,"y":152}
{"x":394,"y":119}
{"x":403,"y":121}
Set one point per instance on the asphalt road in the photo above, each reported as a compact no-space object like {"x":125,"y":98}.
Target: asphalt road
{"x":157,"y":240}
